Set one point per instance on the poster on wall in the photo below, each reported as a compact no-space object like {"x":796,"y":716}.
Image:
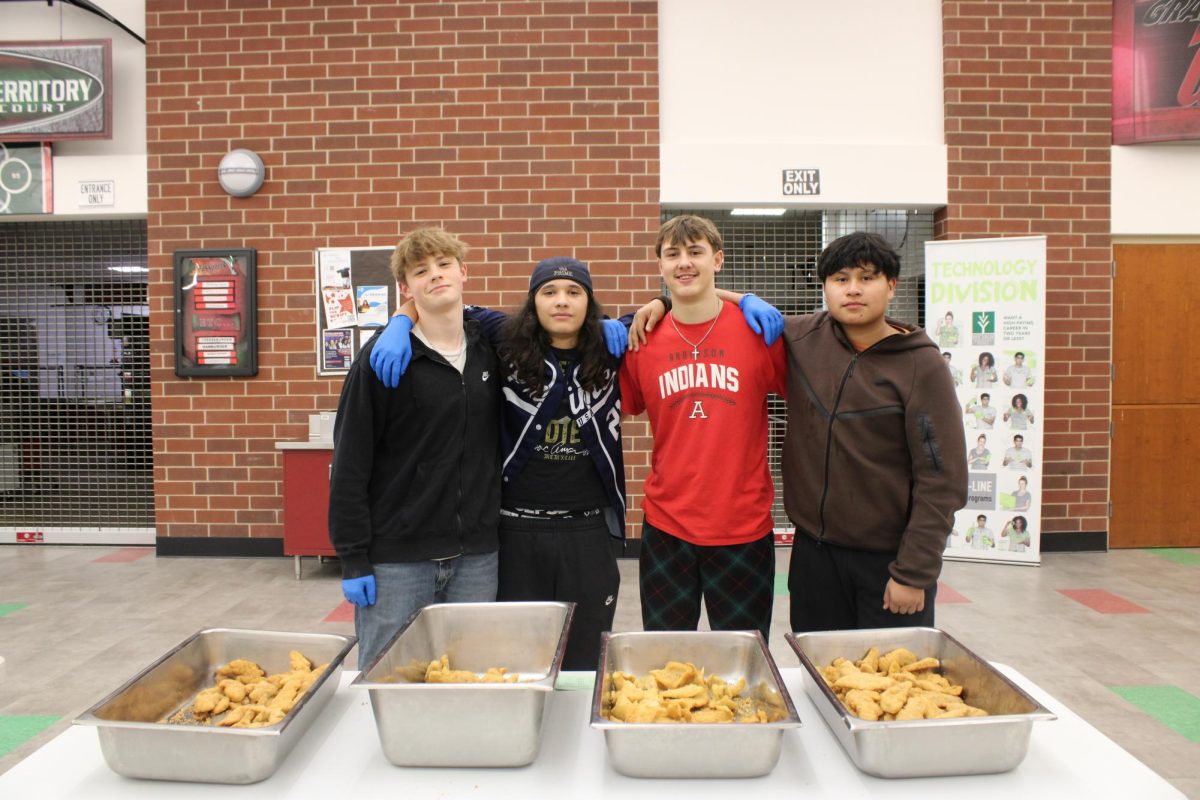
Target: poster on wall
{"x":985,"y":306}
{"x":1156,"y":71}
{"x":215,"y":310}
{"x":26,"y":180}
{"x":356,"y":295}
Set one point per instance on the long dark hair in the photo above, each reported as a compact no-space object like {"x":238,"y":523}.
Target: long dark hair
{"x":526,"y":345}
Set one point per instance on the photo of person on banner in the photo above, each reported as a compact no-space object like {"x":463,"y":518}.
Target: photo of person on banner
{"x":1022,"y":498}
{"x":979,"y":456}
{"x":984,"y":373}
{"x":955,"y":372}
{"x":1018,"y":373}
{"x":980,"y":536}
{"x":1018,"y":457}
{"x":946,"y":331}
{"x":983,"y":412}
{"x":1019,"y":417}
{"x":1017,"y":534}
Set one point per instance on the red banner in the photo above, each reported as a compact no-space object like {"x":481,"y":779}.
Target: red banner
{"x":1156,"y":70}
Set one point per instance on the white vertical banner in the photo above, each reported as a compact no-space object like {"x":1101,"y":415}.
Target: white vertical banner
{"x":985,"y":306}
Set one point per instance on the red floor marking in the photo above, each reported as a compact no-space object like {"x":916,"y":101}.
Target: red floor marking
{"x":123,"y":555}
{"x":947,"y":594}
{"x":1104,"y":602}
{"x":343,"y":613}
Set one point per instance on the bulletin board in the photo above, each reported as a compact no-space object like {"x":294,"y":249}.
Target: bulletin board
{"x":356,"y":295}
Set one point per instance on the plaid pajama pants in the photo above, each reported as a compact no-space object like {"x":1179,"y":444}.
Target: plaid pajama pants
{"x":737,"y":583}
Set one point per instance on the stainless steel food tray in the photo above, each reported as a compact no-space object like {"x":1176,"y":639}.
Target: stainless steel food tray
{"x":137,"y":744}
{"x":923,"y":748}
{"x":693,"y":750}
{"x":474,"y":724}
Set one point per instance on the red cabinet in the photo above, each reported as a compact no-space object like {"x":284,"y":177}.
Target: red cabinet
{"x":306,"y":499}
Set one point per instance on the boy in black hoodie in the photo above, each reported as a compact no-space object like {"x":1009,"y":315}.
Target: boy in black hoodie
{"x":415,"y":483}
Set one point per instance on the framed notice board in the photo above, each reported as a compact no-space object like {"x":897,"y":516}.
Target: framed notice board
{"x":215,"y":313}
{"x":356,"y":295}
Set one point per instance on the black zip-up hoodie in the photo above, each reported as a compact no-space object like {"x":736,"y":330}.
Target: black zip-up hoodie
{"x":415,"y":472}
{"x":874,"y":457}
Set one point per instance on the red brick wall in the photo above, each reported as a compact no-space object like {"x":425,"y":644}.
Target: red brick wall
{"x":528,"y":128}
{"x":1028,"y":108}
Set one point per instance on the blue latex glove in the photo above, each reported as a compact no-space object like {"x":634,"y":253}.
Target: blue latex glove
{"x":762,"y":317}
{"x":391,"y":354}
{"x":359,"y":591}
{"x":616,"y":337}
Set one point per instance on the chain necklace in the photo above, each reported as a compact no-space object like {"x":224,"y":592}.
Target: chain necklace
{"x":696,"y":345}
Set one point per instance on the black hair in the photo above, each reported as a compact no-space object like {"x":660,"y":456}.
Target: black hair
{"x":946,"y":354}
{"x":1024,"y":523}
{"x":985,"y":394}
{"x":991,"y":359}
{"x":1018,"y":353}
{"x":858,"y":249}
{"x":525,"y":346}
{"x":1018,"y":436}
{"x":1024,"y":401}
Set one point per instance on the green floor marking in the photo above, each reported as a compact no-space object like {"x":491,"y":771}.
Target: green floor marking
{"x":1170,"y":705}
{"x":8,"y":608}
{"x":1187,"y":557}
{"x":15,"y":731}
{"x":780,"y":583}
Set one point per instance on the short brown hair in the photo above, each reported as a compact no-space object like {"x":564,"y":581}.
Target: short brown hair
{"x":421,"y":244}
{"x":688,"y":228}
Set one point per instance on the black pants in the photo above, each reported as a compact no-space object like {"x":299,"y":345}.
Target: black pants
{"x":569,"y":560}
{"x":835,"y":588}
{"x":736,"y":581}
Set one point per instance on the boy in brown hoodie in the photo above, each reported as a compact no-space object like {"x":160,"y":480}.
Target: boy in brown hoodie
{"x":874,"y":462}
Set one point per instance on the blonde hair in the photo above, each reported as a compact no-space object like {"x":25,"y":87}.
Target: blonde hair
{"x":421,"y":244}
{"x":685,"y":229}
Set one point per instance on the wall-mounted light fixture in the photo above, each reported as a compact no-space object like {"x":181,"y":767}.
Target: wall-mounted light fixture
{"x":241,"y":172}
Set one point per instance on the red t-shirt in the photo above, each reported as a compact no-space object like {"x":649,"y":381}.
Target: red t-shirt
{"x":709,"y":481}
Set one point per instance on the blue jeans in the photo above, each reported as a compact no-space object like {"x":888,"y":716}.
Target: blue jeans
{"x":401,"y":590}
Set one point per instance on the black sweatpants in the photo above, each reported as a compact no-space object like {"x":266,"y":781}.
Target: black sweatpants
{"x":568,"y":560}
{"x":836,"y":588}
{"x":736,"y":581}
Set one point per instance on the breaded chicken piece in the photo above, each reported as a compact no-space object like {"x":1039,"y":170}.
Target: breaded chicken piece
{"x":245,"y":671}
{"x":864,"y":680}
{"x":864,"y":705}
{"x":299,"y":662}
{"x":235,"y":690}
{"x":893,"y":699}
{"x":870,"y":662}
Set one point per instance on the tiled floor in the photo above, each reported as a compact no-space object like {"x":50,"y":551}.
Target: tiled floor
{"x":1115,"y":636}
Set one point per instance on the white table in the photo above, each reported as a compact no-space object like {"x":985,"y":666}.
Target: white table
{"x":339,"y":757}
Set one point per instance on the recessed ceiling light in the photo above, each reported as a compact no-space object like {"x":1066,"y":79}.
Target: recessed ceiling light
{"x":758,"y":212}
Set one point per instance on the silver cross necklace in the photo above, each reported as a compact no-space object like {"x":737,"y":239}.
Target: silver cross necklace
{"x":696,"y":345}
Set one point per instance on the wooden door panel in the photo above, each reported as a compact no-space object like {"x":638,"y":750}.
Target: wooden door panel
{"x":1155,"y":483}
{"x":1156,"y":333}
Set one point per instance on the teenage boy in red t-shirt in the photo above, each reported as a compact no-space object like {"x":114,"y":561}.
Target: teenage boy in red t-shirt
{"x":703,"y":377}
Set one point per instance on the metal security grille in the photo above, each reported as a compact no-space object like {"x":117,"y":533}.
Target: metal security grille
{"x":775,"y":257}
{"x":75,"y":438}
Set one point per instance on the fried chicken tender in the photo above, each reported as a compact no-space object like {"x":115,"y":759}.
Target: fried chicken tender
{"x":864,"y":680}
{"x":246,"y":697}
{"x":893,"y":699}
{"x":896,"y":685}
{"x":680,"y":692}
{"x":864,"y":704}
{"x":439,"y":672}
{"x":245,"y":671}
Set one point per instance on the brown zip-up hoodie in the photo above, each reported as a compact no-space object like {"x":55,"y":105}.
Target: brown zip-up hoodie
{"x":874,"y":457}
